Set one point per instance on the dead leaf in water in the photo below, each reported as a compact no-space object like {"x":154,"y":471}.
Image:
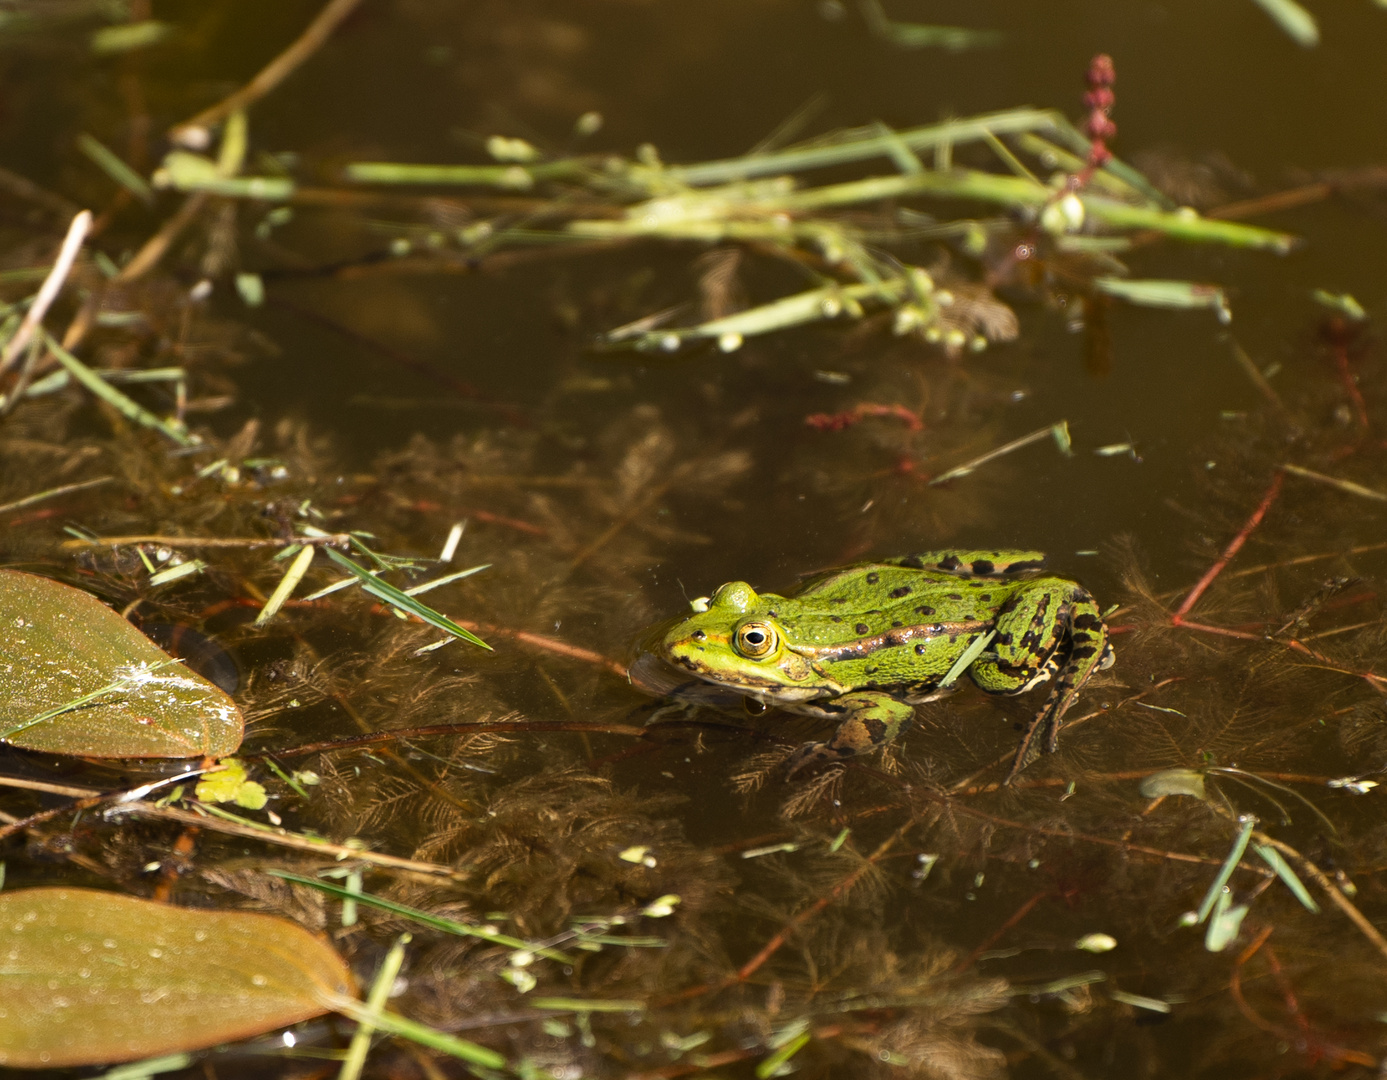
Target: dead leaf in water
{"x":90,"y":977}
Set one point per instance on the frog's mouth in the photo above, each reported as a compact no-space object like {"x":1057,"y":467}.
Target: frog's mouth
{"x":775,"y":680}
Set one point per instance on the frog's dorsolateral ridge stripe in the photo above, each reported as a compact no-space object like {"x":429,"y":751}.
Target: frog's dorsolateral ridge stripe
{"x":900,"y":635}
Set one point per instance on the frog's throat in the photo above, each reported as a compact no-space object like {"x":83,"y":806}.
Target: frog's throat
{"x":897,"y":635}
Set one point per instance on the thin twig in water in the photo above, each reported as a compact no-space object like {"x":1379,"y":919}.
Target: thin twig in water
{"x":284,"y":838}
{"x":206,"y":541}
{"x":1234,"y":546}
{"x":1015,"y":444}
{"x":1333,"y":481}
{"x":273,"y":73}
{"x":53,"y":493}
{"x":154,"y":248}
{"x":48,"y":291}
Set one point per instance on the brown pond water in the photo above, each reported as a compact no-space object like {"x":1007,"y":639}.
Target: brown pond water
{"x":917,"y":922}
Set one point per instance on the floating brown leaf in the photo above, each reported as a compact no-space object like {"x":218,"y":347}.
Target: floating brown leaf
{"x":95,"y":685}
{"x":89,"y":977}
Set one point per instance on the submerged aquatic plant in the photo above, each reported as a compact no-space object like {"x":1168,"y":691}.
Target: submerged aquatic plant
{"x":589,"y":894}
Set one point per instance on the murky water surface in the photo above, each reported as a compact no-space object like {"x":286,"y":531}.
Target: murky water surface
{"x":903,"y":913}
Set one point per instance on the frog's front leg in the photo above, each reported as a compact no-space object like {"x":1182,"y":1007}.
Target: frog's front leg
{"x":870,"y":719}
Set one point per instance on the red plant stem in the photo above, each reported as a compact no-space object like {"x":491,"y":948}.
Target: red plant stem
{"x":1360,"y":407}
{"x":750,"y":968}
{"x":1235,"y":987}
{"x":992,"y":938}
{"x":1234,"y":546}
{"x":1209,"y":629}
{"x":839,"y":421}
{"x":1379,"y":682}
{"x":1304,"y":1037}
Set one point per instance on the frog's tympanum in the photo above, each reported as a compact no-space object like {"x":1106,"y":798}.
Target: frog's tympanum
{"x":864,"y":644}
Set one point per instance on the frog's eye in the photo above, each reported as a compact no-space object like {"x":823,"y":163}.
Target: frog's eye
{"x":755,"y":640}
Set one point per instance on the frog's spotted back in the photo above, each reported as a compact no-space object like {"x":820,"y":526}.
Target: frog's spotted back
{"x":975,"y":563}
{"x":866,"y":642}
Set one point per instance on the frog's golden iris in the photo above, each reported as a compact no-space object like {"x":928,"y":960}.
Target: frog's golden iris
{"x":755,"y":640}
{"x":866,"y":643}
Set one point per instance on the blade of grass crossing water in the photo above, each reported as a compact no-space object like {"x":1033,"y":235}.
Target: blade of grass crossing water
{"x":399,"y":1026}
{"x":401,"y":601}
{"x":1287,"y":875}
{"x":114,"y":167}
{"x":113,"y":397}
{"x":375,"y":1003}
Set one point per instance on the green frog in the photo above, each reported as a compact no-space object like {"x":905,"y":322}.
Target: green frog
{"x":866,"y":643}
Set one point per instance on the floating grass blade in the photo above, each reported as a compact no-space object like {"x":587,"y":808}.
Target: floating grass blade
{"x":1058,"y":431}
{"x":1215,"y":893}
{"x":403,"y":1028}
{"x":384,"y":982}
{"x":579,"y":1005}
{"x":910,"y":35}
{"x":128,"y":682}
{"x":1333,"y":481}
{"x":287,"y":584}
{"x":402,"y":601}
{"x":436,"y":922}
{"x":53,"y":493}
{"x":1186,"y":295}
{"x":1344,"y":303}
{"x":113,"y":397}
{"x":1140,"y":1001}
{"x":177,"y":573}
{"x":114,"y":166}
{"x":1287,"y":875}
{"x":446,"y":579}
{"x":142,"y":1070}
{"x":126,"y":37}
{"x":856,"y":146}
{"x":969,"y":655}
{"x":506,"y":177}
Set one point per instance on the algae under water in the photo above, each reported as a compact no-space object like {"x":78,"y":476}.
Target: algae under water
{"x":373,"y":365}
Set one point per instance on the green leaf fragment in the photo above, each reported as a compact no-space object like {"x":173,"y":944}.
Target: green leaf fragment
{"x":1224,"y":926}
{"x":126,"y":37}
{"x":115,"y":167}
{"x":1173,"y":782}
{"x":969,"y":655}
{"x":1216,"y":893}
{"x":229,"y":782}
{"x":1287,"y":875}
{"x":1186,"y":295}
{"x":1294,"y":20}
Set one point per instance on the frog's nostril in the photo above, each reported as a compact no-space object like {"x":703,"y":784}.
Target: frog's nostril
{"x":698,"y":635}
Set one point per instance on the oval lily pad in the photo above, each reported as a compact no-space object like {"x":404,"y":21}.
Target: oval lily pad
{"x":90,"y":977}
{"x":76,"y":678}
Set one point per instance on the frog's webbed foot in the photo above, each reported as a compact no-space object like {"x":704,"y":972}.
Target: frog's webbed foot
{"x":872,"y":720}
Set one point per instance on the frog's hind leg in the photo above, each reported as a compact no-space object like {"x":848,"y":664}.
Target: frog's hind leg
{"x":871,"y":719}
{"x":1082,"y":649}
